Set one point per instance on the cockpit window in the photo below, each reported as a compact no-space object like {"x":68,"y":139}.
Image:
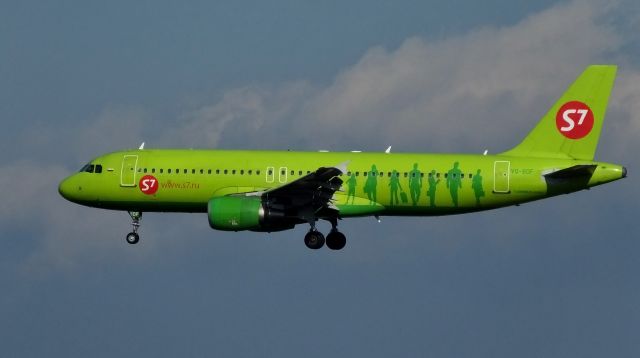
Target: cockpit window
{"x":91,"y":168}
{"x":87,"y":168}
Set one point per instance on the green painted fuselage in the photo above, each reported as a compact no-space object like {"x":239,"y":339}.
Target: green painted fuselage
{"x":374,"y":184}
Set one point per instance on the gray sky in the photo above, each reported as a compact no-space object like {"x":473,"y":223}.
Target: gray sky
{"x":554,"y":278}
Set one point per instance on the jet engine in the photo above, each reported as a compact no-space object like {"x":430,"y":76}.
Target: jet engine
{"x":238,"y":213}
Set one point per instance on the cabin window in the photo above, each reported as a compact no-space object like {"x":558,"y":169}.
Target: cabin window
{"x":153,"y":170}
{"x":470,"y":176}
{"x":364,"y":174}
{"x":462,"y":176}
{"x":184,"y":171}
{"x":144,"y":170}
{"x":241,"y":171}
{"x":249,"y":172}
{"x":225,"y":172}
{"x":161,"y":170}
{"x":201,"y":171}
{"x":169,"y":171}
{"x":270,"y":172}
{"x":217,"y":171}
{"x":293,"y":172}
{"x":406,"y":174}
{"x":446,"y":175}
{"x":209,"y":171}
{"x":233,"y":172}
{"x":437,"y":175}
{"x":193,"y":171}
{"x":139,"y":170}
{"x":421,"y":175}
{"x":357,"y":174}
{"x":258,"y":172}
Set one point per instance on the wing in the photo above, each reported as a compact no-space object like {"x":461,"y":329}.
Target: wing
{"x":309,"y":197}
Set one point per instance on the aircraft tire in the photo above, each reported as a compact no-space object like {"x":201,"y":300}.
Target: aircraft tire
{"x":133,"y":238}
{"x":314,"y":240}
{"x":336,"y":240}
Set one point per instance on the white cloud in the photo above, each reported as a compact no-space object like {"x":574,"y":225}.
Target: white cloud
{"x":483,"y":89}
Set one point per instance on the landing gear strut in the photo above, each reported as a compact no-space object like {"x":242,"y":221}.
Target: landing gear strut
{"x":133,"y":237}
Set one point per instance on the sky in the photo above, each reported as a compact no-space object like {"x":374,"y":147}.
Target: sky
{"x":553,"y":278}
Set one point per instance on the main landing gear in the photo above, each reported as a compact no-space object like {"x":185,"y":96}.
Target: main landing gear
{"x":133,"y":237}
{"x":335,"y":239}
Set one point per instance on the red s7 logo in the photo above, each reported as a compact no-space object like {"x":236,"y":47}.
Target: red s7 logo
{"x":148,"y":184}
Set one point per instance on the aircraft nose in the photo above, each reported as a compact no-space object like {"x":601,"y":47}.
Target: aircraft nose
{"x":67,"y":188}
{"x":63,"y":188}
{"x":624,"y":172}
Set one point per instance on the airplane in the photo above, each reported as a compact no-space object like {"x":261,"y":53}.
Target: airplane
{"x":269,"y":191}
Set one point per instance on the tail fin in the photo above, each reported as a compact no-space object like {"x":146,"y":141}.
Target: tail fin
{"x":572,"y":126}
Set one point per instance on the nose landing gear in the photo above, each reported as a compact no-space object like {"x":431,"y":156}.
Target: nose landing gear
{"x":133,"y":237}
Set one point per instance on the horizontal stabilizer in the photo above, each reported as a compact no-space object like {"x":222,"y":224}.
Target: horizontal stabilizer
{"x":570,"y":179}
{"x":576,"y":171}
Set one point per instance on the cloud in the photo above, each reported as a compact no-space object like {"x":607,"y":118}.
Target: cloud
{"x":482,"y":89}
{"x":252,"y":111}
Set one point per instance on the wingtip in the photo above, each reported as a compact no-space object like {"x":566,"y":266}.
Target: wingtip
{"x":342,"y":167}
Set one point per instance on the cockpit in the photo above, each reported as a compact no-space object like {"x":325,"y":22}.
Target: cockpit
{"x":91,"y":168}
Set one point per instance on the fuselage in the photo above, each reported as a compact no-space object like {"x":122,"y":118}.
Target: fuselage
{"x":166,"y":180}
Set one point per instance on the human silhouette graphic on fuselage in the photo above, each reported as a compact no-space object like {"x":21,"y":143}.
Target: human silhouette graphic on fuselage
{"x":370,"y":186}
{"x":351,"y":185}
{"x":454,"y":182}
{"x":431,"y":192}
{"x":394,"y":185}
{"x":415,"y":184}
{"x":476,"y":185}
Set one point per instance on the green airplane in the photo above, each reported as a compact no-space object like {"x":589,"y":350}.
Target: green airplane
{"x":269,"y":191}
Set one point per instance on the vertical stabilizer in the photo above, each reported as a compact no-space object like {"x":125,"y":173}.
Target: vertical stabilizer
{"x":572,"y":126}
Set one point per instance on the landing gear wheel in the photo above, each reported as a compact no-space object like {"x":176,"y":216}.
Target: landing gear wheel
{"x":133,"y":238}
{"x":314,"y":240}
{"x":336,"y":240}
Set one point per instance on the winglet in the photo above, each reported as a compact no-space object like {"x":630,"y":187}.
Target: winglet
{"x":141,"y":146}
{"x":388,"y":150}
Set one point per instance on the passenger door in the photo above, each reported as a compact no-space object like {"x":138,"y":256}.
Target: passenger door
{"x":128,"y":170}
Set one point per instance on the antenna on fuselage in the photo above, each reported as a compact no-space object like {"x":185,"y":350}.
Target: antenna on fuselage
{"x":141,"y":146}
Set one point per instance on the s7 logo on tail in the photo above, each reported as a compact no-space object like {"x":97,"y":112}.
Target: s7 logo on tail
{"x":574,"y":120}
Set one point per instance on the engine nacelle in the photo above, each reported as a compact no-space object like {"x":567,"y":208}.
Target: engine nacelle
{"x":238,"y":213}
